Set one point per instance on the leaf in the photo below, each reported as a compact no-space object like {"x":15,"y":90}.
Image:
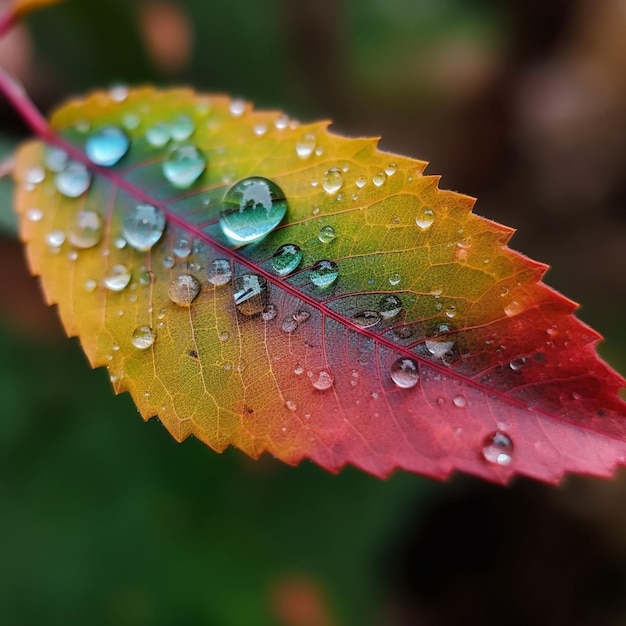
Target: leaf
{"x":436,"y":348}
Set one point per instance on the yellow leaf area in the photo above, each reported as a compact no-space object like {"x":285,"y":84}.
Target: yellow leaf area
{"x":23,"y":7}
{"x":298,"y":363}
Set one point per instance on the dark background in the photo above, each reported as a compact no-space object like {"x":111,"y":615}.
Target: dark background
{"x":106,"y":520}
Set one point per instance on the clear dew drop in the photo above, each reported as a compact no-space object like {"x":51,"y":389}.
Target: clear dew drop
{"x":459,"y":401}
{"x":143,"y":226}
{"x":512,"y":309}
{"x":289,"y":325}
{"x":301,"y":316}
{"x":404,"y":373}
{"x":379,"y":179}
{"x":86,"y":231}
{"x":253,"y":207}
{"x":35,"y":175}
{"x":220,"y":272}
{"x":324,"y":273}
{"x":260,"y":129}
{"x":90,"y":285}
{"x":269,"y":312}
{"x":360,"y":182}
{"x":120,"y":243}
{"x":34,"y":215}
{"x":55,"y":238}
{"x":450,"y":311}
{"x":107,"y":146}
{"x":143,"y":337}
{"x":498,"y":449}
{"x":118,"y":93}
{"x":425,"y":218}
{"x":391,"y":169}
{"x":158,"y":135}
{"x":168,"y":262}
{"x":291,"y":405}
{"x":73,"y":181}
{"x":118,"y":278}
{"x":332,"y":180}
{"x":306,"y":146}
{"x":286,"y":259}
{"x":183,"y":290}
{"x":439,"y":348}
{"x":250,"y":294}
{"x":237,"y":107}
{"x":183,"y":166}
{"x":365,"y":319}
{"x":394,"y":279}
{"x":182,"y":128}
{"x":322,"y":381}
{"x":517,"y":364}
{"x":182,"y":248}
{"x":326,"y":234}
{"x":389,"y":306}
{"x":55,"y":159}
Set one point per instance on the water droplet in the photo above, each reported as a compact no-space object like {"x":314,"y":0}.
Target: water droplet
{"x":107,"y":146}
{"x":183,"y":166}
{"x":182,"y":128}
{"x":269,"y":312}
{"x":379,"y":179}
{"x":252,"y":208}
{"x":450,"y":311}
{"x":183,"y":290}
{"x":182,"y":249}
{"x":425,"y":218}
{"x":250,"y":294}
{"x":517,"y":364}
{"x":158,"y":135}
{"x":322,"y":381}
{"x":512,"y":309}
{"x":117,"y":279}
{"x":260,"y":129}
{"x":143,"y":226}
{"x":74,"y":180}
{"x":394,"y":279}
{"x":326,"y":234}
{"x":145,"y":277}
{"x":324,"y":273}
{"x":35,"y":175}
{"x":286,"y":259}
{"x":332,"y":181}
{"x":131,"y":121}
{"x":301,"y":316}
{"x":220,"y":273}
{"x":281,"y":122}
{"x":55,"y":159}
{"x":55,"y":238}
{"x":237,"y":107}
{"x":34,"y":215}
{"x":289,"y":324}
{"x":90,"y":284}
{"x":459,"y":401}
{"x":223,"y":336}
{"x":291,"y":405}
{"x":87,"y":230}
{"x":439,"y":348}
{"x":306,"y":146}
{"x":118,"y":93}
{"x":143,"y":337}
{"x":389,"y":306}
{"x":365,"y":319}
{"x":298,"y":370}
{"x":498,"y":449}
{"x":360,"y":182}
{"x":168,"y":262}
{"x":391,"y":169}
{"x":404,"y":373}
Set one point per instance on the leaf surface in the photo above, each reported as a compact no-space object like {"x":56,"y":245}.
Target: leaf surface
{"x":436,"y":347}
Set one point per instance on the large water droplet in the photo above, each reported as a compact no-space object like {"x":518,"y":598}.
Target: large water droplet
{"x":332,"y":181}
{"x":498,"y":449}
{"x":87,"y":230}
{"x":143,"y":226}
{"x":183,"y":290}
{"x":391,"y":169}
{"x":324,"y":273}
{"x":404,"y":373}
{"x":286,"y":259}
{"x":252,"y":208}
{"x":365,"y":319}
{"x":182,"y":128}
{"x":117,"y":279}
{"x":107,"y":146}
{"x":158,"y":135}
{"x":326,"y":234}
{"x":390,"y":306}
{"x":55,"y":159}
{"x":143,"y":337}
{"x":73,"y":181}
{"x":306,"y":145}
{"x":220,"y":273}
{"x":439,"y":348}
{"x":250,"y":294}
{"x":183,"y":166}
{"x":425,"y":218}
{"x":323,"y":380}
{"x":379,"y":179}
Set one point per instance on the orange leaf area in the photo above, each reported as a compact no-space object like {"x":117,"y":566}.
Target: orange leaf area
{"x":265,"y":284}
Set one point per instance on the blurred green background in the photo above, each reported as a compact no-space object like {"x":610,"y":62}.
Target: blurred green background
{"x":106,"y":520}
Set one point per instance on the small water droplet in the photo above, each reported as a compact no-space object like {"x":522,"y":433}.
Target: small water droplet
{"x":425,"y":218}
{"x":379,"y":179}
{"x":182,"y":128}
{"x":34,"y":215}
{"x":301,"y":316}
{"x":220,"y":272}
{"x":90,"y":285}
{"x":389,"y":306}
{"x":306,"y":146}
{"x":250,"y":294}
{"x":145,"y":277}
{"x":360,"y":182}
{"x":143,"y":337}
{"x":107,"y":146}
{"x":182,"y":248}
{"x":439,"y":348}
{"x":286,"y":259}
{"x":450,"y":311}
{"x":168,"y":262}
{"x":223,"y":336}
{"x":74,"y":180}
{"x":55,"y":159}
{"x":118,"y":278}
{"x":394,"y":279}
{"x":324,"y":273}
{"x":512,"y":309}
{"x":517,"y":364}
{"x":298,"y":370}
{"x":86,"y":231}
{"x":158,"y":135}
{"x":237,"y":107}
{"x":459,"y":401}
{"x":260,"y":129}
{"x":498,"y":449}
{"x":253,"y":207}
{"x":183,"y":166}
{"x":118,"y":93}
{"x":269,"y":312}
{"x":365,"y":319}
{"x":391,"y":169}
{"x":143,"y":226}
{"x":35,"y":175}
{"x":323,"y":380}
{"x":281,"y":122}
{"x":404,"y":373}
{"x":326,"y":234}
{"x":55,"y":238}
{"x":289,"y":324}
{"x":183,"y":290}
{"x":332,"y":181}
{"x":291,"y":405}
